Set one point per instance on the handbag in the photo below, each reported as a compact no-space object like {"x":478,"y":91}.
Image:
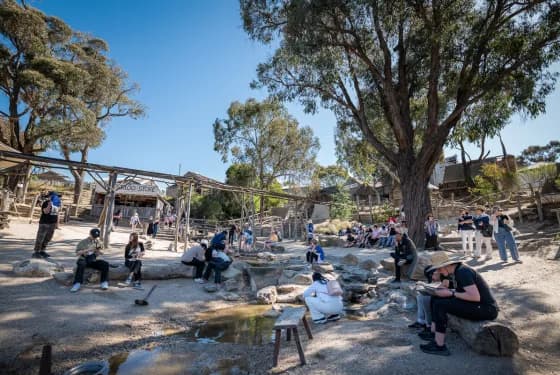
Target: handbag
{"x":487,"y":230}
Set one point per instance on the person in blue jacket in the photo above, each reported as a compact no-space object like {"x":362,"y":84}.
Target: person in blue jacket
{"x":315,"y":254}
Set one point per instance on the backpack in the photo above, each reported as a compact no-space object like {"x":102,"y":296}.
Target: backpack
{"x":334,"y":288}
{"x":487,"y":230}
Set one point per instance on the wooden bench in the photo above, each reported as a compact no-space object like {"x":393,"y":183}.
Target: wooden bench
{"x":289,"y":321}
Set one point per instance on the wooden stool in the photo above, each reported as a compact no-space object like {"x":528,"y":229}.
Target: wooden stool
{"x":289,"y":320}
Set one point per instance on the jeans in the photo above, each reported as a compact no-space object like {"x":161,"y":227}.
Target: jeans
{"x":155,"y":229}
{"x":424,"y":313}
{"x":397,"y":267}
{"x":467,"y":241}
{"x":199,"y":266}
{"x":463,"y":309}
{"x":99,"y":265}
{"x":44,"y":236}
{"x":134,"y":266}
{"x":323,"y":305}
{"x":504,"y":237}
{"x":218,"y":267}
{"x":481,"y":240}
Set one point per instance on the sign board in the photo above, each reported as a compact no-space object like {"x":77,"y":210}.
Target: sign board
{"x":132,"y":188}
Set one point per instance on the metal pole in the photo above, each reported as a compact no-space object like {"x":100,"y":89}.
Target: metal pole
{"x":188,"y":217}
{"x":110,"y":197}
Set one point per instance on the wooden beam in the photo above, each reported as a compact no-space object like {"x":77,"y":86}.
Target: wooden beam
{"x":188,"y":218}
{"x":110,"y":198}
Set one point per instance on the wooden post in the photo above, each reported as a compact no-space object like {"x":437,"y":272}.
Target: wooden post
{"x":519,"y":211}
{"x":371,"y":208}
{"x":32,"y":208}
{"x":180,"y":210}
{"x":110,"y":199}
{"x":358,"y":207}
{"x":188,"y":217}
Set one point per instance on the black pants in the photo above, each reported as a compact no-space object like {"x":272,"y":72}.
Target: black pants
{"x":99,"y":265}
{"x":311,"y":257}
{"x":198,"y":264}
{"x":44,"y":236}
{"x":134,"y":266}
{"x":431,"y":242}
{"x":230,"y":238}
{"x":397,"y":267}
{"x":217,"y":267}
{"x":463,"y":309}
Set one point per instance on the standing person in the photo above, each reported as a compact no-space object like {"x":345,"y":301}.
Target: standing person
{"x":116,"y":217}
{"x":405,"y":253}
{"x":466,"y":228}
{"x":310,"y":231}
{"x":135,"y":221}
{"x":155,"y":227}
{"x":150,"y":230}
{"x":231,"y":235}
{"x":322,"y":306}
{"x":431,"y":227}
{"x":482,"y":234}
{"x":470,"y":300}
{"x":195,"y":256}
{"x":47,"y":225}
{"x":57,"y":205}
{"x":220,"y":262}
{"x":87,"y":251}
{"x":502,"y":226}
{"x":133,"y":252}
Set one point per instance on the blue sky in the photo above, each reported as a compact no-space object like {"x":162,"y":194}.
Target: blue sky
{"x":192,"y":59}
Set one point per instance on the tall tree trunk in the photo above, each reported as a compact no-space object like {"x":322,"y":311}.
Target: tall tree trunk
{"x":539,"y":205}
{"x":416,"y":201}
{"x":466,"y":166}
{"x":504,"y":152}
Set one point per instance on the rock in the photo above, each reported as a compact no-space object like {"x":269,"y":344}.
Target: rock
{"x":533,"y":244}
{"x":495,"y":338}
{"x":242,"y":266}
{"x":372,"y":293}
{"x":37,"y":268}
{"x":267,"y":295}
{"x":151,"y":270}
{"x":368,"y":264}
{"x":388,"y":264}
{"x":323,"y":267}
{"x":350,"y":259}
{"x":289,"y":273}
{"x":266,"y":255}
{"x":272,"y":313}
{"x":64,"y":278}
{"x":232,"y":273}
{"x":302,"y":279}
{"x":296,"y":267}
{"x":287,"y":288}
{"x":358,"y":288}
{"x":402,"y":300}
{"x":231,"y":297}
{"x":277,"y":248}
{"x":231,"y":285}
{"x":356,"y":275}
{"x":211,"y":288}
{"x":260,"y":277}
{"x":553,"y":254}
{"x":293,"y":297}
{"x":372,"y":280}
{"x":374,"y":306}
{"x":426,"y":258}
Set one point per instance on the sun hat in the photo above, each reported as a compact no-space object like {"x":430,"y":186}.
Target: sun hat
{"x":444,"y":264}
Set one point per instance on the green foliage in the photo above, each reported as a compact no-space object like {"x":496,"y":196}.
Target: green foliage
{"x":535,"y":177}
{"x":341,"y":205}
{"x":332,"y":226}
{"x":381,"y":213}
{"x":265,"y":136}
{"x":536,"y":154}
{"x":490,"y":184}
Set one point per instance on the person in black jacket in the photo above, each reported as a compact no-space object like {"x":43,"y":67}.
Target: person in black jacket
{"x":133,"y":252}
{"x":405,"y":253}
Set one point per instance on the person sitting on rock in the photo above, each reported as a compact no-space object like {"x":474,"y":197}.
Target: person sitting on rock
{"x":431,"y":229}
{"x":219,"y":263}
{"x":315,"y":253}
{"x":195,"y":256}
{"x":272,"y":239}
{"x":470,"y":300}
{"x":87,"y":250}
{"x":133,"y":252}
{"x":383,"y":237}
{"x":405,"y":253}
{"x":322,"y":306}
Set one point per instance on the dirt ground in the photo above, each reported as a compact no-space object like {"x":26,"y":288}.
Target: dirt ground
{"x":95,"y":324}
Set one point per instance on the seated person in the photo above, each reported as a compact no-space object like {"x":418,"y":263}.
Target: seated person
{"x":374,"y":236}
{"x":322,"y":306}
{"x":383,"y":236}
{"x":133,"y":252}
{"x":405,"y":253}
{"x":220,"y":262}
{"x":272,"y":239}
{"x":390,"y":241}
{"x":195,"y":256}
{"x":87,"y":250}
{"x":471,"y":300}
{"x":315,"y":254}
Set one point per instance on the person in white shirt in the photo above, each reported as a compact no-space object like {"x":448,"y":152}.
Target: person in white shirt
{"x":194,"y":256}
{"x":322,"y":306}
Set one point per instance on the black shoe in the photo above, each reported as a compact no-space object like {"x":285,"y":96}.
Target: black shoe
{"x":427,"y":335}
{"x":36,"y":255}
{"x":433,"y":348}
{"x":44,"y":254}
{"x":416,"y":325}
{"x":333,"y":318}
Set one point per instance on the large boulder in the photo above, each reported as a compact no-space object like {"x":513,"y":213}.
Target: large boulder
{"x":350,"y":259}
{"x":368,"y":264}
{"x":302,"y":279}
{"x":323,"y":267}
{"x":260,"y":277}
{"x":426,"y":258}
{"x":37,"y":268}
{"x":267,"y":295}
{"x":356,"y":274}
{"x":151,"y":270}
{"x":290,"y":293}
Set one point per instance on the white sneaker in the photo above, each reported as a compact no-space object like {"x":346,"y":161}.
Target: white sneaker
{"x":128,"y":281}
{"x":401,"y":262}
{"x":198,"y":281}
{"x":75,"y":287}
{"x":104,"y":285}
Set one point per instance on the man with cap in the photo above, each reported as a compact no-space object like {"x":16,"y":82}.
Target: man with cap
{"x":87,"y":250}
{"x":471,"y":300}
{"x":47,"y":224}
{"x":195,"y":257}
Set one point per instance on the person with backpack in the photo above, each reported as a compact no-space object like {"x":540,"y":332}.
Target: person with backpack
{"x":323,"y":299}
{"x":482,"y":234}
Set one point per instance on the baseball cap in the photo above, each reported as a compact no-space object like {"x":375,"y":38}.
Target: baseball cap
{"x":95,"y":233}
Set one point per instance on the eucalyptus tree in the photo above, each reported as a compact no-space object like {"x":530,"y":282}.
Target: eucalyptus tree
{"x":406,"y":70}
